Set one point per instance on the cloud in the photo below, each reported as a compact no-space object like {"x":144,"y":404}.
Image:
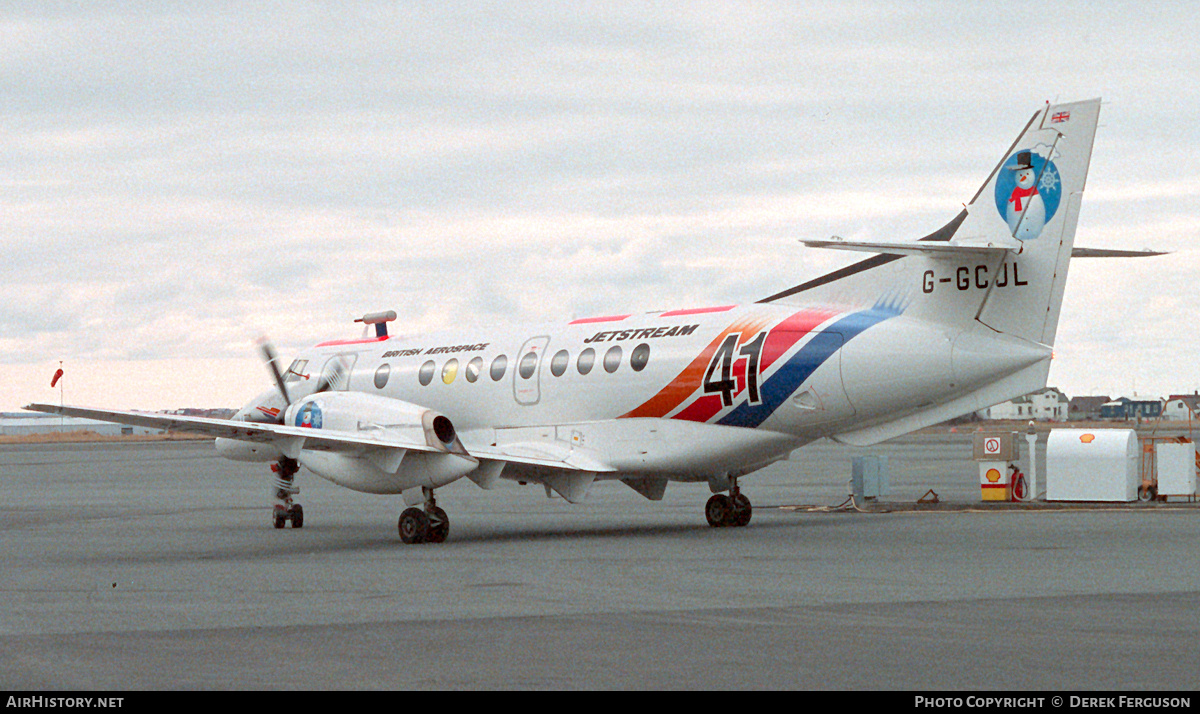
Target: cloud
{"x":178,"y":180}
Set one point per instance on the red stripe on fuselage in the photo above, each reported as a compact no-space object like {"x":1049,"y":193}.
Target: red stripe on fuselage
{"x":589,"y":320}
{"x":697,"y":311}
{"x":367,"y":341}
{"x":789,"y":332}
{"x":702,"y":409}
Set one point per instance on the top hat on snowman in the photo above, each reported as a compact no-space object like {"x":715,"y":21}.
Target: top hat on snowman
{"x":1024,"y":161}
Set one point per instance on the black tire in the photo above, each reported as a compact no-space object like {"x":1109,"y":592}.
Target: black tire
{"x":413,"y":526}
{"x":1147,"y":494}
{"x":297,"y":516}
{"x":718,"y":510}
{"x":280,"y":517}
{"x":742,"y":511}
{"x":439,"y":526}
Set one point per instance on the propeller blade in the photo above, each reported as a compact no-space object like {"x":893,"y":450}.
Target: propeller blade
{"x":272,"y":360}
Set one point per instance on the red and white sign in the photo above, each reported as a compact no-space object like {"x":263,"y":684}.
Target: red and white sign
{"x":991,"y":446}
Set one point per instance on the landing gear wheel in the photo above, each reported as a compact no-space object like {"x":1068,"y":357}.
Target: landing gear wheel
{"x":742,"y":510}
{"x":718,"y":510}
{"x":285,"y":509}
{"x":439,"y":526}
{"x":413,"y":526}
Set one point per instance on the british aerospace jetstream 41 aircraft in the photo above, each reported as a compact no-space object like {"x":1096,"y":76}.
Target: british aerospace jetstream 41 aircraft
{"x":924,"y":331}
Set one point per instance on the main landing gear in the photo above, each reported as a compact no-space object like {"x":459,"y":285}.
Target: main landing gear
{"x":731,"y":510}
{"x":428,"y":525}
{"x":285,"y":509}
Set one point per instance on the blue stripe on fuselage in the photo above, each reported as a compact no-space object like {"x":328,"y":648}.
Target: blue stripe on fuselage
{"x":788,"y":378}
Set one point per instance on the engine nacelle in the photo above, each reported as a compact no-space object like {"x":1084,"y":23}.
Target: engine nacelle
{"x":380,"y":469}
{"x":238,"y":450}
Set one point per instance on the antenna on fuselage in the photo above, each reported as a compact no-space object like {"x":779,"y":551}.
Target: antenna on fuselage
{"x":379,"y":320}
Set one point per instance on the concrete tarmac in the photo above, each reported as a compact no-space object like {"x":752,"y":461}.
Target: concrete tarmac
{"x":154,"y":566}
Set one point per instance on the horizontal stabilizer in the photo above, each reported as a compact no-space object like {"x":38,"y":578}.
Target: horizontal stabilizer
{"x":1108,"y":253}
{"x":929,"y":249}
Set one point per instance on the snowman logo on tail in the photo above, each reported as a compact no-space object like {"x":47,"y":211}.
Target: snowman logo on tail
{"x":1028,"y":193}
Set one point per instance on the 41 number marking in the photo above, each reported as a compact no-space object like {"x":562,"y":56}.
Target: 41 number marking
{"x":719,"y":377}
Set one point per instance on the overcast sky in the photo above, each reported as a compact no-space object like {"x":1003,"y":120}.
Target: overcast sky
{"x":179,"y":178}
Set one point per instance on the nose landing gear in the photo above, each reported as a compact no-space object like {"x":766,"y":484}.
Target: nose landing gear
{"x":733,"y":510}
{"x":428,"y":525}
{"x":285,"y":508}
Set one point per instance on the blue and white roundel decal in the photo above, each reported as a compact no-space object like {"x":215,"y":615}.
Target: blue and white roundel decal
{"x":1028,"y":189}
{"x":309,"y":416}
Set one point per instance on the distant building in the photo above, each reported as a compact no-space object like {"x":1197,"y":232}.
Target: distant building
{"x":1126,"y":408}
{"x":1182,"y":407}
{"x":1085,"y":408}
{"x":1048,"y":404}
{"x":30,"y":424}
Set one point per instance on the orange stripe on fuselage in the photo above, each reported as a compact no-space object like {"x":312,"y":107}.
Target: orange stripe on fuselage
{"x":688,"y":381}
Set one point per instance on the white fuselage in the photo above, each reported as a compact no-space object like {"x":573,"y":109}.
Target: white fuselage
{"x":688,"y":394}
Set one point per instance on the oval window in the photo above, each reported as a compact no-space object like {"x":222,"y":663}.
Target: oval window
{"x":474,"y":367}
{"x":640,"y":357}
{"x":612,"y":359}
{"x":587,"y":360}
{"x":528,"y":365}
{"x":558,"y":365}
{"x":382,"y":374}
{"x":499,"y":366}
{"x":425,"y":375}
{"x":449,"y":371}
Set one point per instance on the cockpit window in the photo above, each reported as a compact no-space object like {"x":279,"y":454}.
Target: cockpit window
{"x":296,"y":372}
{"x":335,"y":375}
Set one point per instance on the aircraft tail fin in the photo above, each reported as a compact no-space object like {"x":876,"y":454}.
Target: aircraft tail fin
{"x":1002,"y":261}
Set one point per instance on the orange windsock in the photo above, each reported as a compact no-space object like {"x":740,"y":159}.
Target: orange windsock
{"x":57,"y":376}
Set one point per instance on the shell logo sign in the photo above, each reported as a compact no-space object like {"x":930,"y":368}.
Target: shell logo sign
{"x":992,"y":475}
{"x":1087,"y":438}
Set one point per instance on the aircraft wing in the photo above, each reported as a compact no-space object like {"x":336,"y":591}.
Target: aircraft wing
{"x":326,"y":439}
{"x":531,"y":454}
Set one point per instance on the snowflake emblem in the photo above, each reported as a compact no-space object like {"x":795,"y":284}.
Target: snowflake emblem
{"x":1049,"y":179}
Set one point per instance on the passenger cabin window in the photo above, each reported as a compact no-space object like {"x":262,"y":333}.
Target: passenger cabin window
{"x":449,"y":371}
{"x":612,"y":359}
{"x":499,"y":367}
{"x":587,"y":360}
{"x":558,"y":365}
{"x":528,"y":365}
{"x":382,"y":374}
{"x":640,"y":357}
{"x":474,"y":367}
{"x":425,"y":375}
